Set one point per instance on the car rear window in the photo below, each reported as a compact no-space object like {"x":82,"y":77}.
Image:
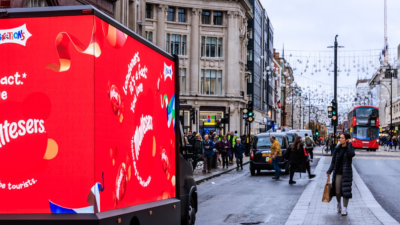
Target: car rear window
{"x":265,"y":142}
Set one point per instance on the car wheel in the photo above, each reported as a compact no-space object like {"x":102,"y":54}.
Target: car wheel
{"x":252,"y":171}
{"x":191,"y":214}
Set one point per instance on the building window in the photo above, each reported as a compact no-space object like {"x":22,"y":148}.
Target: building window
{"x":182,"y":80}
{"x":211,"y":47}
{"x":219,"y":81}
{"x":35,"y":3}
{"x":182,"y":15}
{"x":211,"y":82}
{"x":149,"y":35}
{"x":176,"y":44}
{"x":217,"y":18}
{"x":167,"y":48}
{"x":205,"y":17}
{"x":149,"y":11}
{"x":250,"y":33}
{"x":171,"y":14}
{"x":250,"y":55}
{"x":184,"y":45}
{"x":202,"y":45}
{"x":219,"y":47}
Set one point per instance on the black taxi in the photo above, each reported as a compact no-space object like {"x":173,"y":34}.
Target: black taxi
{"x":260,"y":154}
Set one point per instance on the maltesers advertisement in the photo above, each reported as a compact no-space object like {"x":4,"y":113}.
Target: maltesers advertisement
{"x":87,"y":117}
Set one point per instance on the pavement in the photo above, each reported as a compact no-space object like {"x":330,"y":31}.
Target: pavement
{"x":363,"y":207}
{"x":200,"y":176}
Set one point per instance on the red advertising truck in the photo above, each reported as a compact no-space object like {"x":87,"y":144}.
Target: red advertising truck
{"x":88,"y":125}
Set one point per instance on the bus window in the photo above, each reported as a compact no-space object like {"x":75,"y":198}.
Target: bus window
{"x":366,"y":133}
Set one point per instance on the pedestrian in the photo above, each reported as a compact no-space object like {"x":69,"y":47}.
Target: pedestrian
{"x":198,"y":137}
{"x":341,"y":166}
{"x":220,"y":136}
{"x":208,"y":152}
{"x":216,"y":151}
{"x":225,"y":151}
{"x":239,"y":151}
{"x":276,"y":156}
{"x":231,"y":139}
{"x":309,"y":145}
{"x":395,"y":142}
{"x":331,"y":144}
{"x":296,"y":159}
{"x":390,"y":142}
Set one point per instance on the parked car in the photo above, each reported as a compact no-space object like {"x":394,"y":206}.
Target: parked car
{"x":260,"y":153}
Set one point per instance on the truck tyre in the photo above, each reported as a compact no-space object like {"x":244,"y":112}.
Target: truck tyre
{"x":190,"y":218}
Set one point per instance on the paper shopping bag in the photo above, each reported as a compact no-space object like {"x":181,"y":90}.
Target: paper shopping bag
{"x":326,"y":197}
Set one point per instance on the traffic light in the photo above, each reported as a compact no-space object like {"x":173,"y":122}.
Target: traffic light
{"x":226,"y":117}
{"x":250,"y":113}
{"x":316,"y":132}
{"x":334,"y":113}
{"x":193,"y":115}
{"x":329,"y":111}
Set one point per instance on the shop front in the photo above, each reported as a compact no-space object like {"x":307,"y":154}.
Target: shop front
{"x":211,"y":120}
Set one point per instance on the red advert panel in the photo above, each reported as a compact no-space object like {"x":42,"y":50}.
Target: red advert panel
{"x":134,"y":121}
{"x":46,"y":116}
{"x":87,"y":118}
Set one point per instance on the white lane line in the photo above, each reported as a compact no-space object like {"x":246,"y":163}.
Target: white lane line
{"x":371,"y":202}
{"x":298,"y":215}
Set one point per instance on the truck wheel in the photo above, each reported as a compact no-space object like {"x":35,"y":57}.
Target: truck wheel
{"x":191,"y":213}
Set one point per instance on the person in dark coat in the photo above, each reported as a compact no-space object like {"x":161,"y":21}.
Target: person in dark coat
{"x":341,"y":166}
{"x":208,"y":152}
{"x":297,"y":160}
{"x":225,"y":150}
{"x":239,"y":151}
{"x":395,"y":142}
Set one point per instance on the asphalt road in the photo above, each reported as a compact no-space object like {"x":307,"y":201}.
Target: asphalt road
{"x":239,"y":198}
{"x":382,"y":177}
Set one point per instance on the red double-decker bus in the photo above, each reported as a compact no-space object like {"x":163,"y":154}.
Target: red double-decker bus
{"x":363,"y":125}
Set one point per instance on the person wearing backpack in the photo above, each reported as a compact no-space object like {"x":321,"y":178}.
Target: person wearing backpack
{"x":309,"y":145}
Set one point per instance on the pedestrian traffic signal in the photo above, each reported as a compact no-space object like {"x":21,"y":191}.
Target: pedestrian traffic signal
{"x":193,"y":115}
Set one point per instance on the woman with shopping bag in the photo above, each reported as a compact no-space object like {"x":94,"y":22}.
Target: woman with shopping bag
{"x":341,"y":166}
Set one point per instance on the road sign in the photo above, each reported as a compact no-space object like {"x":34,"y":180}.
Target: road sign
{"x":387,"y":128}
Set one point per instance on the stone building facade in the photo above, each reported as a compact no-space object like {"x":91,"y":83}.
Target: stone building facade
{"x":210,"y":38}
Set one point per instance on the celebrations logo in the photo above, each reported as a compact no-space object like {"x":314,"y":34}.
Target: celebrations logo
{"x":17,"y":35}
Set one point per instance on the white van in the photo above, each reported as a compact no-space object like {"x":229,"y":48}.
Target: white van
{"x":301,"y":133}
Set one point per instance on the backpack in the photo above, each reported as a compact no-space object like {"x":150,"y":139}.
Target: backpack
{"x":308,"y":142}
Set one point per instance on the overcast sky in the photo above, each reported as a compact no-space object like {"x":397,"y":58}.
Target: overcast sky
{"x":312,"y":25}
